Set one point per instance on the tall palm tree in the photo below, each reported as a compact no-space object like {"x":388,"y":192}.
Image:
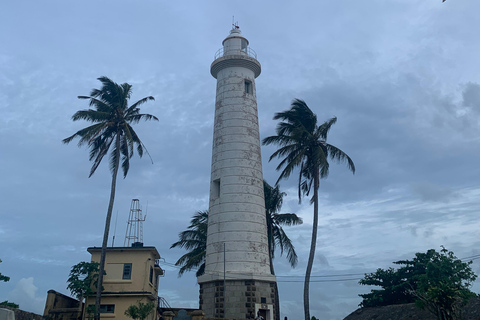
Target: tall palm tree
{"x":303,"y":144}
{"x":112,"y":118}
{"x":195,"y":240}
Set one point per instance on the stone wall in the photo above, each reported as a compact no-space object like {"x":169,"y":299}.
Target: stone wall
{"x":24,"y":315}
{"x":244,"y":297}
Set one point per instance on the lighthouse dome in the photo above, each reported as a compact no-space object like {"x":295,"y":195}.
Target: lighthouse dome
{"x":235,"y":42}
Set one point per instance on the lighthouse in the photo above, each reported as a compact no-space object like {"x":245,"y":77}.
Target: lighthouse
{"x":237,"y":282}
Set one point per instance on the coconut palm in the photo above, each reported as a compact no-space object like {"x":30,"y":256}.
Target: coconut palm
{"x":195,"y":240}
{"x":275,"y":233}
{"x":111,"y":131}
{"x":275,"y":221}
{"x":303,"y":145}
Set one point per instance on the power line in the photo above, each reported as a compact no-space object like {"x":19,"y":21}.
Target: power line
{"x":330,"y":280}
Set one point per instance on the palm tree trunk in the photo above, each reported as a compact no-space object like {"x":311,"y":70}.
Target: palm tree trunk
{"x":101,"y":270}
{"x":272,"y":271}
{"x":306,"y":288}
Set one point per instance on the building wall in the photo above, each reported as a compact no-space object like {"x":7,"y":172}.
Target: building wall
{"x":122,"y":293}
{"x":61,"y":307}
{"x":121,"y":304}
{"x":142,"y":261}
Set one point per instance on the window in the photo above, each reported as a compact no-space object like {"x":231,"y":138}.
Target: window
{"x":151,"y":275}
{"x":127,"y":271}
{"x":248,"y":87}
{"x":104,"y":308}
{"x":244,"y":45}
{"x":216,"y":189}
{"x":263,"y":300}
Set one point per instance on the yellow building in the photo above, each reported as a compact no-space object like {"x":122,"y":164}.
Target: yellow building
{"x":131,"y":277}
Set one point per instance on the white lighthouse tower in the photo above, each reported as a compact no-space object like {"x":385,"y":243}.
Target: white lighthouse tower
{"x":237,"y":282}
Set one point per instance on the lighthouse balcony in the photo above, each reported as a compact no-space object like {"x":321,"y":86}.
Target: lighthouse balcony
{"x":231,"y":51}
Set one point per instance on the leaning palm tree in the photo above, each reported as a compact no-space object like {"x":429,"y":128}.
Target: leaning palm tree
{"x":112,"y":118}
{"x":303,"y":145}
{"x":195,"y":240}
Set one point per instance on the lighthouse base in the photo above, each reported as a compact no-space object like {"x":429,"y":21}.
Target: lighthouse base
{"x":238,"y":299}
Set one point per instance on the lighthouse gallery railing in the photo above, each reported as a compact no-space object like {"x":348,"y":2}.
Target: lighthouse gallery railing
{"x":247,"y":51}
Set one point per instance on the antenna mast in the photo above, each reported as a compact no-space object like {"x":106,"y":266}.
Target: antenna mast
{"x":134,"y":232}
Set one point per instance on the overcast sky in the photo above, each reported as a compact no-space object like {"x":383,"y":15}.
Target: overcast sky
{"x":402,"y":76}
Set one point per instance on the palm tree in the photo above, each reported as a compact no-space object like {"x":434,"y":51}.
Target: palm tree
{"x":275,"y":233}
{"x":112,"y":118}
{"x":303,"y":144}
{"x":195,"y":240}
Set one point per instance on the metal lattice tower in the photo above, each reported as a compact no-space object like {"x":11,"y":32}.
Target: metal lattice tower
{"x":134,"y":232}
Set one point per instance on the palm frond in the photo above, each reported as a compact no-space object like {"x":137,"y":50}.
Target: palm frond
{"x":287,"y":219}
{"x":139,"y":103}
{"x":340,"y":156}
{"x":91,"y":115}
{"x":323,"y":129}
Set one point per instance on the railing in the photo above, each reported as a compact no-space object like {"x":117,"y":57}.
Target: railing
{"x":247,"y":51}
{"x":163,"y":304}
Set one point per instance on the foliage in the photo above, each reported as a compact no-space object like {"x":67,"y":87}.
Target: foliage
{"x":111,"y":130}
{"x":83,"y":277}
{"x":275,"y":221}
{"x":303,"y":144}
{"x":140,"y":311}
{"x":436,"y":281}
{"x":2,"y":277}
{"x":314,"y":318}
{"x":9,"y":304}
{"x":193,"y":239}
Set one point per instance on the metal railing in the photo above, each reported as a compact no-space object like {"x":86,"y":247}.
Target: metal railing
{"x":247,"y":51}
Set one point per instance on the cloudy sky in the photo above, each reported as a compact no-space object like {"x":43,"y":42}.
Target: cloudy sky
{"x":402,"y":76}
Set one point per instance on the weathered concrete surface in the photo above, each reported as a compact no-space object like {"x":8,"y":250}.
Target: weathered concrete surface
{"x":237,"y":244}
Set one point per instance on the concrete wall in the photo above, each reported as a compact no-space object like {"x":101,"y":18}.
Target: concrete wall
{"x":23,"y":315}
{"x":123,"y":293}
{"x":61,"y":307}
{"x":142,"y":259}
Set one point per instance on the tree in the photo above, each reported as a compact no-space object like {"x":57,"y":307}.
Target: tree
{"x":140,"y":311}
{"x":303,"y":144}
{"x":195,"y":237}
{"x":112,"y":118}
{"x":83,"y":277}
{"x":9,"y":304}
{"x":436,"y":281}
{"x":275,"y":233}
{"x":2,"y":277}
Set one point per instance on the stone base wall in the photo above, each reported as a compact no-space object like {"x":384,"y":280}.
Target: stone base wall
{"x":243,"y":298}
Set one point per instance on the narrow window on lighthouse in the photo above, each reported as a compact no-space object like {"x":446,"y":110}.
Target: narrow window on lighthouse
{"x":244,"y":45}
{"x":216,"y":189}
{"x":248,"y":87}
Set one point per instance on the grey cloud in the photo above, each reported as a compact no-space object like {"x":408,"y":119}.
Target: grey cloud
{"x":432,"y":192}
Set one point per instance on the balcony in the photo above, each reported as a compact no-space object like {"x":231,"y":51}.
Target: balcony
{"x":247,"y":52}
